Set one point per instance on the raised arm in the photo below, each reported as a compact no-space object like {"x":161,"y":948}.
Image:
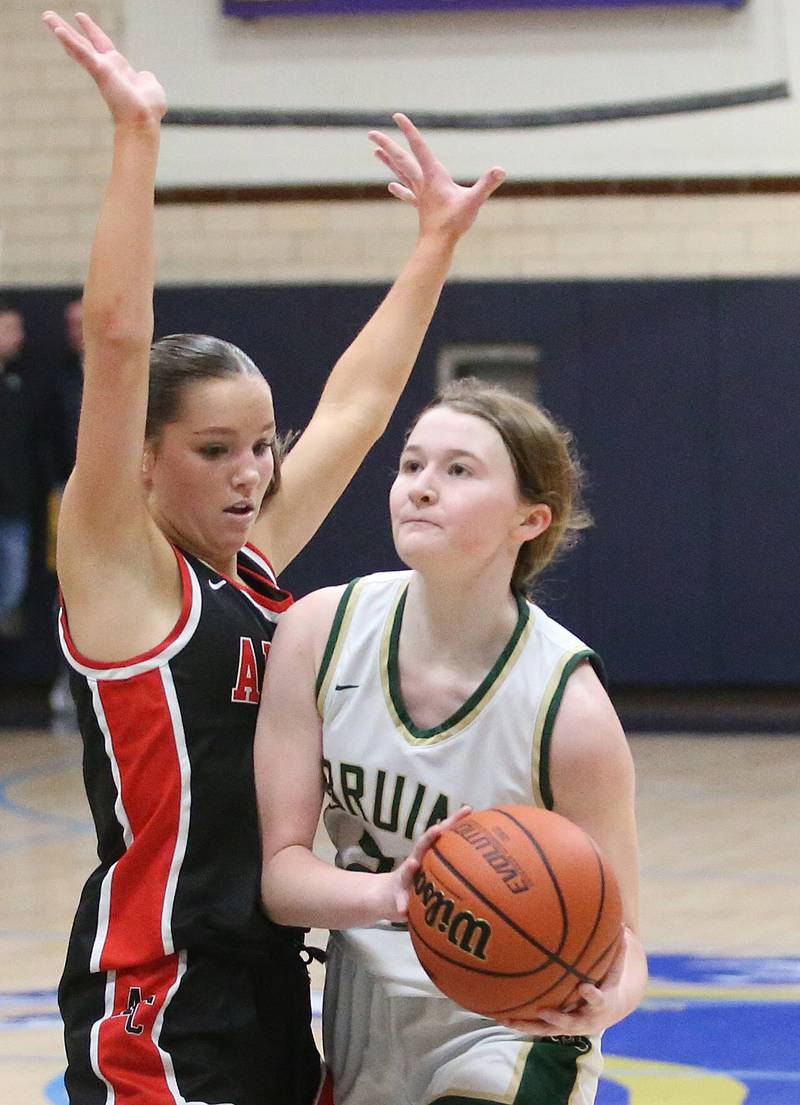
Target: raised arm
{"x":103,"y":509}
{"x":366,"y":382}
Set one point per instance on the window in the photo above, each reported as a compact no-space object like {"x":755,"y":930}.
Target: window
{"x":512,"y":366}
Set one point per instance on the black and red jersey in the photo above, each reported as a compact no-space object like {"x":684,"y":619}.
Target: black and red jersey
{"x":168,"y":769}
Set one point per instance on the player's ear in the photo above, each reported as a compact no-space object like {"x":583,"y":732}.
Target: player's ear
{"x":535,"y":520}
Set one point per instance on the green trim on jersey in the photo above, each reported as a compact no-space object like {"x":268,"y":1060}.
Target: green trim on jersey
{"x":551,"y":702}
{"x":336,"y":638}
{"x":548,"y":1076}
{"x":390,"y":674}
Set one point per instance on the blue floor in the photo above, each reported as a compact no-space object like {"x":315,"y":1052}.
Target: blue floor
{"x":711,"y":1032}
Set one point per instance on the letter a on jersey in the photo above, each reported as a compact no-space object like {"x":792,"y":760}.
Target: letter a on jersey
{"x":246,"y":689}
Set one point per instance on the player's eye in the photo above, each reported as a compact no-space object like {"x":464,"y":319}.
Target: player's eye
{"x":457,"y":469}
{"x":212,"y":451}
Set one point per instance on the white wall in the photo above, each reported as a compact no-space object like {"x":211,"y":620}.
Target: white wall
{"x":476,"y":62}
{"x":55,"y":152}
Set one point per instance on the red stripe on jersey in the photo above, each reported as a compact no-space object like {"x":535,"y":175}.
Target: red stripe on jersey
{"x":175,"y":632}
{"x":271,"y":598}
{"x":127,"y":1054}
{"x":326,"y":1091}
{"x":268,"y":595}
{"x":257,"y":552}
{"x":144,"y":747}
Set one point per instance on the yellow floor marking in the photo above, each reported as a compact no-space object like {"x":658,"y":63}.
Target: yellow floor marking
{"x":652,"y":1083}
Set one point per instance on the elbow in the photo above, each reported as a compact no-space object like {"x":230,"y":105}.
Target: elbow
{"x":369,"y":421}
{"x":270,"y":900}
{"x":376,"y":413}
{"x":117,"y":329}
{"x":362,"y":418}
{"x":267,"y":903}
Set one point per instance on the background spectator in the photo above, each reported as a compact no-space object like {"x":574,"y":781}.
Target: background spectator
{"x":17,"y":453}
{"x":68,"y":387}
{"x":65,"y":408}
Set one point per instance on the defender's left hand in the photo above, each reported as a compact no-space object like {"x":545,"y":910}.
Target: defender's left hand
{"x":444,"y":207}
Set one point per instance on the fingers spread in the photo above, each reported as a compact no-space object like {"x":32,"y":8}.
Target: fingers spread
{"x":75,"y":45}
{"x":489,"y":183}
{"x":60,"y":27}
{"x":96,"y":35}
{"x":384,"y":142}
{"x":410,"y":868}
{"x":431,"y":835}
{"x":393,"y":168}
{"x":52,"y":19}
{"x":459,"y":815}
{"x":422,"y":151}
{"x":400,"y":161}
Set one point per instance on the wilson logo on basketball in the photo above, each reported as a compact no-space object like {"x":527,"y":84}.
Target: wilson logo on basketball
{"x":493,"y":853}
{"x":464,"y":930}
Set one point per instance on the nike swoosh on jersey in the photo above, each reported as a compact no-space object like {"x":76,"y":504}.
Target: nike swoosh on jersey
{"x":345,"y":686}
{"x":216,"y":586}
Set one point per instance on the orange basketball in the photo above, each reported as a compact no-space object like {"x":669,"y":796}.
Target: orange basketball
{"x":512,"y":910}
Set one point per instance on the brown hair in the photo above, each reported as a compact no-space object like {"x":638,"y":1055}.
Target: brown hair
{"x":179,"y":361}
{"x":545,"y":464}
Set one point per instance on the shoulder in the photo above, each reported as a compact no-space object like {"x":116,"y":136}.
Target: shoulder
{"x":305,"y":626}
{"x":298,"y":645}
{"x":313,"y":610}
{"x":324,"y":604}
{"x":312,"y":618}
{"x":554,"y":632}
{"x":316,"y":606}
{"x":586,"y":703}
{"x":590,"y":758}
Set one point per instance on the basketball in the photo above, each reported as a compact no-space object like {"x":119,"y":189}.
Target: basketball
{"x":512,"y":909}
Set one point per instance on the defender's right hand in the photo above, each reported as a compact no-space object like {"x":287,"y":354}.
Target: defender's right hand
{"x":134,"y":99}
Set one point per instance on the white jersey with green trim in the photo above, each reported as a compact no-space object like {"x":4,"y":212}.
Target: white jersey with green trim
{"x":387,"y":780}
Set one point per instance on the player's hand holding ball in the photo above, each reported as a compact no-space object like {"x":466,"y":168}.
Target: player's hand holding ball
{"x":398,"y":887}
{"x":596,"y":1008}
{"x":515,"y":914}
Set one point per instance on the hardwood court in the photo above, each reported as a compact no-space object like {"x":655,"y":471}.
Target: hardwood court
{"x":720,"y":874}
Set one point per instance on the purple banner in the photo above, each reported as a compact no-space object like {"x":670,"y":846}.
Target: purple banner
{"x":255,"y":9}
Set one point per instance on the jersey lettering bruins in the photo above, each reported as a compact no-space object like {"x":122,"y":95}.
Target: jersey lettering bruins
{"x":388,"y":780}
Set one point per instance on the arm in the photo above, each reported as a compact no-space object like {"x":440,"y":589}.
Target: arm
{"x":297,"y":888}
{"x":103,"y":508}
{"x":592,"y":778}
{"x":366,"y":382}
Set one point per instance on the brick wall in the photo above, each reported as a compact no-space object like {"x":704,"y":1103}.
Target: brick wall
{"x":55,"y":150}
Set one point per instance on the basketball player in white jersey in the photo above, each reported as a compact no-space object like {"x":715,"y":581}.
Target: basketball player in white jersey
{"x":420,"y":691}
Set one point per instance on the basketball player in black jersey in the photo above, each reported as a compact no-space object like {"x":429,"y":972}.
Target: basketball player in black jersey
{"x":177,"y":989}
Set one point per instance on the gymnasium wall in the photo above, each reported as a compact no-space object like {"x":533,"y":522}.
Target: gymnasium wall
{"x":475,"y":63}
{"x":669,"y":326}
{"x":686,"y":416}
{"x":54,"y":149}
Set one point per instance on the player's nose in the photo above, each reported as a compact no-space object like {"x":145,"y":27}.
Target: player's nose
{"x":246,"y":476}
{"x":422,"y":492}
